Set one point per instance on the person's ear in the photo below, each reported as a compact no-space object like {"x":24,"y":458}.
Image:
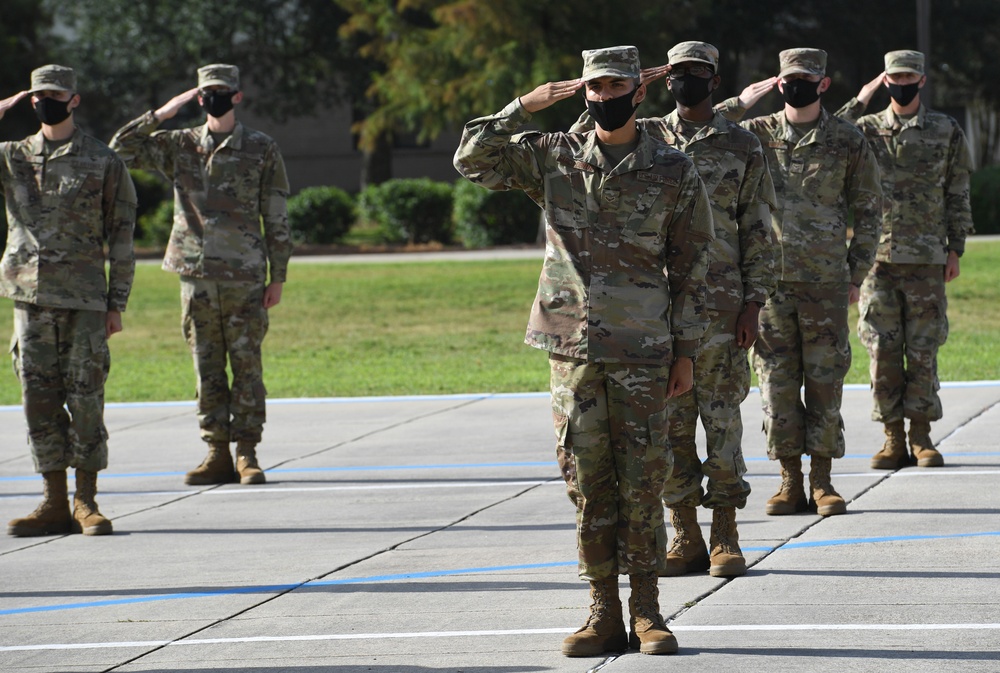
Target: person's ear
{"x":824,"y":84}
{"x":639,"y":95}
{"x":715,"y":81}
{"x":237,"y":97}
{"x":74,"y":102}
{"x":923,"y":80}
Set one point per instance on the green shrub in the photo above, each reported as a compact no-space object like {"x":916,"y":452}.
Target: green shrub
{"x":320,"y":215}
{"x":151,"y":191}
{"x":985,"y":196}
{"x":483,"y":218}
{"x":156,"y":226}
{"x":414,"y":210}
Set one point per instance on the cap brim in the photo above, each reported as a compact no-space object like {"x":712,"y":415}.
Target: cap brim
{"x":608,"y":72}
{"x":692,"y":60}
{"x":899,"y":69}
{"x":216,"y":82}
{"x":50,"y":87}
{"x":799,"y":71}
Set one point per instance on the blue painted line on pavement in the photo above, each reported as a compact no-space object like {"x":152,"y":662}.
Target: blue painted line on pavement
{"x":432,"y":398}
{"x":447,"y":573}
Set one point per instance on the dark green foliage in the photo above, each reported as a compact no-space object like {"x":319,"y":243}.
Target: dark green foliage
{"x":150,"y":191}
{"x":483,"y":218}
{"x":415,"y":210}
{"x":156,"y":225}
{"x":320,"y":215}
{"x":985,"y":196}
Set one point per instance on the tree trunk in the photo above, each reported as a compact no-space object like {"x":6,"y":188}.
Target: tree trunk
{"x":376,"y":164}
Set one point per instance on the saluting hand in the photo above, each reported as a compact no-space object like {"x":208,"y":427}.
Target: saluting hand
{"x":8,"y":103}
{"x":868,"y":90}
{"x":754,"y":92}
{"x":547,"y":94}
{"x":174,"y":105}
{"x":647,"y":75}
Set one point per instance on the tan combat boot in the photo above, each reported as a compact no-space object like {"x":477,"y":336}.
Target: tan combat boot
{"x":727,"y":557}
{"x":246,"y":464}
{"x":52,"y":516}
{"x":217,"y":468}
{"x":86,"y":518}
{"x":647,"y":630}
{"x":922,"y":447}
{"x":605,"y":628}
{"x":827,"y":501}
{"x":687,"y":553}
{"x":791,"y":497}
{"x":893,"y":455}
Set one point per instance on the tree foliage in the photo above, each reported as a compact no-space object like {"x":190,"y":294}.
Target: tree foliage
{"x":136,"y":54}
{"x":25,"y":42}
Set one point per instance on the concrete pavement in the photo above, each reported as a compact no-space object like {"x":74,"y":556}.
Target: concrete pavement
{"x":433,"y":534}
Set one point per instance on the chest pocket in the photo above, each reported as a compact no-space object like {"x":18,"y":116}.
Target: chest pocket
{"x":823,"y":173}
{"x":645,"y":214}
{"x":921,"y":155}
{"x":722,"y":178}
{"x":566,"y":202}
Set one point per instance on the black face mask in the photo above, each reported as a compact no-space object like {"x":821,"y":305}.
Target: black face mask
{"x":612,"y":114}
{"x":51,"y":111}
{"x":217,"y":103}
{"x":690,"y":90}
{"x":904,"y":94}
{"x":800,"y":92}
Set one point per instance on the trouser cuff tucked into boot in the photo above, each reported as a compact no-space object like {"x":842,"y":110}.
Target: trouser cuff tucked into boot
{"x":648,"y":633}
{"x":217,"y":468}
{"x":924,"y":453}
{"x":791,"y":495}
{"x":87,"y":519}
{"x":246,"y":464}
{"x":727,"y":557}
{"x":605,"y":627}
{"x":893,"y":455}
{"x":52,"y":517}
{"x":687,"y":553}
{"x":824,"y":498}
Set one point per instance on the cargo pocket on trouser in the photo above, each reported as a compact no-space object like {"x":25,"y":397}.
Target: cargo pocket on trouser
{"x":565,"y":457}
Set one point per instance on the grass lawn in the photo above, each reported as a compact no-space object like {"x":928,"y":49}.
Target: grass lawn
{"x":433,"y":328}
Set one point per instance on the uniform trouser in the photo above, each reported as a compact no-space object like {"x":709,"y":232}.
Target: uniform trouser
{"x":804,"y":341}
{"x":721,"y":383}
{"x":226,"y":320}
{"x":62,"y":360}
{"x":612,"y":448}
{"x":902,"y":324}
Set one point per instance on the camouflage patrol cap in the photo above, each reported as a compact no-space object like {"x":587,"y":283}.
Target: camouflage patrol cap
{"x":904,"y":60}
{"x":219,"y":74}
{"x":807,"y":61}
{"x":698,"y":52}
{"x":620,"y":61}
{"x":53,"y":78}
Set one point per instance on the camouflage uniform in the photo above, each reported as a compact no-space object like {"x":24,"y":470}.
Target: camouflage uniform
{"x":222,"y":195}
{"x":608,"y":313}
{"x":63,"y":206}
{"x":820,"y":179}
{"x":925,"y":166}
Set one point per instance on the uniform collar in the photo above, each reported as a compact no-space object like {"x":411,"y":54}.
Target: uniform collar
{"x":37,"y":144}
{"x":815,"y":135}
{"x":234,"y":141}
{"x":892,"y":120}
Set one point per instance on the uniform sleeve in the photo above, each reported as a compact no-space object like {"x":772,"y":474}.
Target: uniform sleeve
{"x":731,"y":109}
{"x":143,"y":147}
{"x":753,"y":216}
{"x":958,"y":211}
{"x":852,"y":111}
{"x":490,"y":155}
{"x":864,"y":200}
{"x":690,"y":230}
{"x":119,"y":202}
{"x":273,"y":208}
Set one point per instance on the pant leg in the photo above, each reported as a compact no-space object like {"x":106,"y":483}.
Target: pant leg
{"x":777,"y":357}
{"x":722,"y":382}
{"x":638,"y":424}
{"x":683,"y":487}
{"x":880,"y":329}
{"x":85,"y":362}
{"x":201,"y":322}
{"x":826,"y":359}
{"x":34,"y":350}
{"x":244,"y":324}
{"x":925,"y":329}
{"x":583,"y":451}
